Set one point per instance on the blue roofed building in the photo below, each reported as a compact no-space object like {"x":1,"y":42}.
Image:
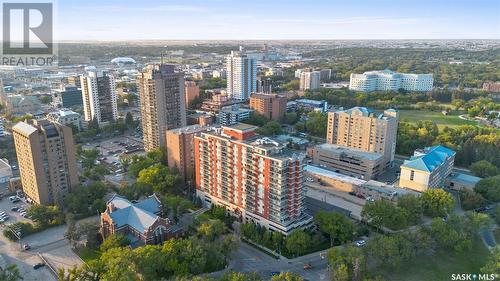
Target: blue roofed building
{"x":427,"y":168}
{"x":141,"y":222}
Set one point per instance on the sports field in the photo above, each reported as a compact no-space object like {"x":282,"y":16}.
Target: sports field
{"x":450,"y":120}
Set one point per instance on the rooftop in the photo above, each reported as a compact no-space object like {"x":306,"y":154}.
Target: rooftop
{"x":463,"y":178}
{"x":242,"y":127}
{"x":429,"y":158}
{"x":333,"y":175}
{"x":350,"y":151}
{"x":139,"y":216}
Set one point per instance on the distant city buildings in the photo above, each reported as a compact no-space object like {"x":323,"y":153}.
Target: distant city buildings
{"x":492,"y":87}
{"x":271,"y":106}
{"x":99,"y":96}
{"x":19,"y":104}
{"x":192,"y":91}
{"x":230,"y":115}
{"x":310,"y":80}
{"x":162,"y":97}
{"x":241,"y":75}
{"x":387,"y":80}
{"x":180,"y":149}
{"x":361,"y":128}
{"x":46,"y":156}
{"x":66,"y":117}
{"x":427,"y":168}
{"x":68,"y":97}
{"x":255,"y":178}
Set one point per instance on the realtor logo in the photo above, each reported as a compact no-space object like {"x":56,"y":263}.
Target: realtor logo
{"x":27,"y":34}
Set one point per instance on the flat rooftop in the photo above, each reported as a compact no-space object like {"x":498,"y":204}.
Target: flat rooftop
{"x":241,"y":127}
{"x":333,"y":175}
{"x":373,"y":156}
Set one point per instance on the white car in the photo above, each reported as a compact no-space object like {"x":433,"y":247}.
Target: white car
{"x":360,"y":243}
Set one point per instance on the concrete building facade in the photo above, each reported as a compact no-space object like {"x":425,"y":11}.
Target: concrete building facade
{"x":427,"y":168}
{"x":271,"y":106}
{"x":348,"y":161}
{"x":163,"y":103}
{"x":46,"y":156}
{"x":360,"y":128}
{"x":180,"y":149}
{"x":255,"y":178}
{"x":310,"y":80}
{"x":99,"y":97}
{"x":387,"y":80}
{"x":192,"y":91}
{"x":66,"y":117}
{"x":241,"y":75}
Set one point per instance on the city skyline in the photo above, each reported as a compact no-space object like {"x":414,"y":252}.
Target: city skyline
{"x":279,"y":20}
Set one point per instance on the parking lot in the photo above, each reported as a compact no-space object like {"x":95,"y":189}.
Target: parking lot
{"x":112,"y":149}
{"x":14,"y":216}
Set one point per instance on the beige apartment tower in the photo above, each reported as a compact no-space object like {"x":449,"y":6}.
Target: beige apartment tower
{"x":163,"y":103}
{"x":272,"y":106}
{"x":46,"y":155}
{"x":362,"y":129}
{"x":180,"y":149}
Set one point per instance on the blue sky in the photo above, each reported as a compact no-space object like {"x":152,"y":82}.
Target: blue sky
{"x":277,"y":19}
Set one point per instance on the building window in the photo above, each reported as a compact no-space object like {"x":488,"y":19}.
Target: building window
{"x":412,"y":175}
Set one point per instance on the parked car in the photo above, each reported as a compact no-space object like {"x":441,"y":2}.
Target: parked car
{"x":38,"y":265}
{"x":308,"y":266}
{"x":14,"y":209}
{"x":26,"y":247}
{"x":352,"y":193}
{"x":360,"y":243}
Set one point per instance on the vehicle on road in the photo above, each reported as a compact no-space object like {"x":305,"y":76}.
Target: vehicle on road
{"x":308,"y":266}
{"x":274,"y":273}
{"x":38,"y":265}
{"x":360,"y":243}
{"x":14,"y":209}
{"x":26,"y":247}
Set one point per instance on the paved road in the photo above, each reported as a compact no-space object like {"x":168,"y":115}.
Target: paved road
{"x":488,"y":238}
{"x":249,"y":259}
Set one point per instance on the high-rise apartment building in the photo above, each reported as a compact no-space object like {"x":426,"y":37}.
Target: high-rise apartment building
{"x":191,"y":90}
{"x":46,"y":156}
{"x":241,"y":75}
{"x":387,"y":80}
{"x":99,"y":96}
{"x":163,"y":103}
{"x":361,"y":128}
{"x":255,"y":178}
{"x":271,"y":106}
{"x":264,"y":85}
{"x":309,"y":80}
{"x":180,"y":149}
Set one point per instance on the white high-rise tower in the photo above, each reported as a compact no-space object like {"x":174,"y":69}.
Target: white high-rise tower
{"x":241,"y":76}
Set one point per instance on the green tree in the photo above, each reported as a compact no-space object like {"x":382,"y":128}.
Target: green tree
{"x":90,"y":230}
{"x":298,"y":242}
{"x":129,"y":120}
{"x":114,"y":241}
{"x":160,"y":178}
{"x":413,"y":206}
{"x":271,"y":128}
{"x":471,"y":200}
{"x":72,"y":233}
{"x":287,"y":276}
{"x":493,"y":264}
{"x":45,"y":215}
{"x":337,"y":226}
{"x":384,"y":213}
{"x":10,"y":273}
{"x":483,"y":169}
{"x":489,"y":188}
{"x":118,"y":265}
{"x":436,"y":202}
{"x":240,"y":276}
{"x":211,"y":229}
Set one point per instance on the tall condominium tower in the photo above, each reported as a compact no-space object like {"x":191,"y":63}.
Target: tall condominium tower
{"x":309,"y":80}
{"x":99,"y":96}
{"x":361,"y":128}
{"x":46,"y":155}
{"x":241,"y":75}
{"x":163,"y":103}
{"x":255,"y":178}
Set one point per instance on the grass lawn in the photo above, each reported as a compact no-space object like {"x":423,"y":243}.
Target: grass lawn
{"x":87,"y":254}
{"x":439,"y":267}
{"x":450,"y":120}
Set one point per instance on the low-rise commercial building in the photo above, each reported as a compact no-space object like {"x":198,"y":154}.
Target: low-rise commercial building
{"x":460,"y":182}
{"x":66,"y":117}
{"x":231,"y":115}
{"x":308,"y":105}
{"x":68,"y":97}
{"x":427,"y":168}
{"x":349,"y":161}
